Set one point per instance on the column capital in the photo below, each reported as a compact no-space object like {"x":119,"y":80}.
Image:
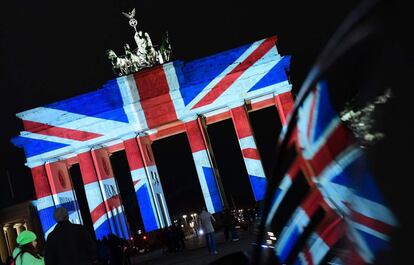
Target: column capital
{"x":284,"y":88}
{"x":129,"y":136}
{"x":235,"y":104}
{"x":53,"y":160}
{"x":97,"y":147}
{"x":190,"y":117}
{"x":34,"y":164}
{"x":284,"y":103}
{"x":145,"y":133}
{"x":81,"y":150}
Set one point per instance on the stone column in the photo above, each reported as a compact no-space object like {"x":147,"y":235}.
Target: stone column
{"x":284,"y":103}
{"x":11,"y":237}
{"x":249,"y":151}
{"x":44,"y":200}
{"x":63,"y":193}
{"x":4,"y":252}
{"x":207,"y":174}
{"x":110,"y":192}
{"x":99,"y":213}
{"x":147,"y":185}
{"x":19,"y":228}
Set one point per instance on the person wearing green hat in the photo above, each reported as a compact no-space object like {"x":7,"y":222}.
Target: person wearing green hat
{"x":26,"y":252}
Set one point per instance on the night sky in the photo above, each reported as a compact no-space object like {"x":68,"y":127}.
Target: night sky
{"x":53,"y":50}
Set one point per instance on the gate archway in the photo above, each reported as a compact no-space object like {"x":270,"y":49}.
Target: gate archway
{"x":130,"y":112}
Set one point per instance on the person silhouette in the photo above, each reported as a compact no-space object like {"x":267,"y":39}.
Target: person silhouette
{"x":206,"y":220}
{"x":69,"y":243}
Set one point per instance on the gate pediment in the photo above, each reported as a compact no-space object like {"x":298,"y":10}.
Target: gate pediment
{"x":153,"y":98}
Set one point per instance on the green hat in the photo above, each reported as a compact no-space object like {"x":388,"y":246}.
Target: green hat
{"x":25,"y":237}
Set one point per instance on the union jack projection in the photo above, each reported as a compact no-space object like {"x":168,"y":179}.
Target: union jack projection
{"x":342,"y":217}
{"x":130,"y":111}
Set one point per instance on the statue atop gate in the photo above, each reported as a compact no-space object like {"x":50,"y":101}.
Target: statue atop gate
{"x":145,"y":55}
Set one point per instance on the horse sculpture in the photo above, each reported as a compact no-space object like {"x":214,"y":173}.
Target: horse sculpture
{"x":120,"y":66}
{"x":145,"y":55}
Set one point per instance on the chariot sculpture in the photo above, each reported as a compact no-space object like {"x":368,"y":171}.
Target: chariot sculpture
{"x":145,"y":55}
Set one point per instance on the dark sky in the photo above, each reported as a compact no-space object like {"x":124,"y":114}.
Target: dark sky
{"x":53,"y":50}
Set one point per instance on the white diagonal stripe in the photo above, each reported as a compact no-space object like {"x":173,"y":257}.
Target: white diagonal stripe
{"x":229,"y":68}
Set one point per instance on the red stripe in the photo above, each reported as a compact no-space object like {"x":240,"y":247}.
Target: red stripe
{"x":354,"y":257}
{"x":241,"y":122}
{"x":115,"y":148}
{"x":336,"y":143}
{"x":251,"y":153}
{"x":231,"y":77}
{"x":308,"y":255}
{"x":144,"y":144}
{"x":284,"y":103}
{"x":98,"y":212}
{"x":113,"y":202}
{"x":45,"y":129}
{"x":262,"y":104}
{"x":169,"y":131}
{"x":311,"y":114}
{"x":40,"y":181}
{"x":293,"y":137}
{"x":312,"y":203}
{"x":218,"y":117}
{"x":155,"y":98}
{"x":136,"y":181}
{"x":58,"y":175}
{"x":195,"y":136}
{"x":72,"y":160}
{"x":101,"y":208}
{"x":87,"y":168}
{"x":374,"y":224}
{"x":133,"y":154}
{"x":159,"y":110}
{"x":331,"y":230}
{"x":151,"y":83}
{"x":294,"y":169}
{"x":102,"y":171}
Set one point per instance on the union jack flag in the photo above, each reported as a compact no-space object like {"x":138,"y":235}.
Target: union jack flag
{"x":340,"y":186}
{"x":164,"y":99}
{"x":154,"y":97}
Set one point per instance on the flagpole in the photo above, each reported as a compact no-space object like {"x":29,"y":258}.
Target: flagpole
{"x":10,"y":184}
{"x":232,"y":201}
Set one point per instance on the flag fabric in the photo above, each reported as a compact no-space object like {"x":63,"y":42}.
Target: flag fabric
{"x":147,"y":100}
{"x":340,"y":184}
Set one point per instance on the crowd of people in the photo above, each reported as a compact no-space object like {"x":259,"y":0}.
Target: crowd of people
{"x":72,"y":244}
{"x":172,"y":238}
{"x":67,"y":244}
{"x":113,"y":250}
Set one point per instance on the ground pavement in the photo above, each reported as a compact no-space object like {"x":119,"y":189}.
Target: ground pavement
{"x":196,"y":252}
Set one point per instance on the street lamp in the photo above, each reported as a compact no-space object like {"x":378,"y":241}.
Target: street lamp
{"x":195,"y":223}
{"x":194,"y":216}
{"x":185,"y":218}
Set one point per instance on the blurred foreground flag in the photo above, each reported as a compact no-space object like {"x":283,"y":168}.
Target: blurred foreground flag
{"x":341,"y":216}
{"x":339,"y":168}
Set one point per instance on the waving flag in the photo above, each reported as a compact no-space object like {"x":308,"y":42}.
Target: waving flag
{"x":340,"y":169}
{"x":340,"y":184}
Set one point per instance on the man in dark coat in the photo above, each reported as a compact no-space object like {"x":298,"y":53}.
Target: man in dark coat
{"x":69,"y":244}
{"x":227,"y":222}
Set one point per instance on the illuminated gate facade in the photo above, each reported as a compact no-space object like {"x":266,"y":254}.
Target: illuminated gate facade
{"x":130,"y":112}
